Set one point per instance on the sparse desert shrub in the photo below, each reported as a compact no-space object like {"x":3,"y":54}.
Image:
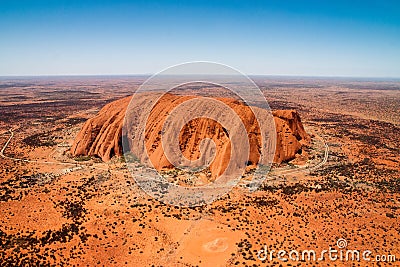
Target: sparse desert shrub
{"x":83,"y":158}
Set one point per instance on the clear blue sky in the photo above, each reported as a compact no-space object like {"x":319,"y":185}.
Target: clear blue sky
{"x":282,"y":37}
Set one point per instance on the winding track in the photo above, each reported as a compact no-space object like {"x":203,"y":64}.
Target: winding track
{"x":5,"y":146}
{"x":325,"y":159}
{"x":277,"y":176}
{"x":26,"y":160}
{"x":44,"y":162}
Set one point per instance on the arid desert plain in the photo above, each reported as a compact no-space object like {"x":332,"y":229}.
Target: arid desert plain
{"x":62,"y":209}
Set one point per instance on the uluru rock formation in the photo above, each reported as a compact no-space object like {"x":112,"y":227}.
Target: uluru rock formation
{"x":291,"y":136}
{"x":101,"y":135}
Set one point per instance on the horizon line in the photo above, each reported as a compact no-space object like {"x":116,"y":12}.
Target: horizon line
{"x":149,"y":74}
